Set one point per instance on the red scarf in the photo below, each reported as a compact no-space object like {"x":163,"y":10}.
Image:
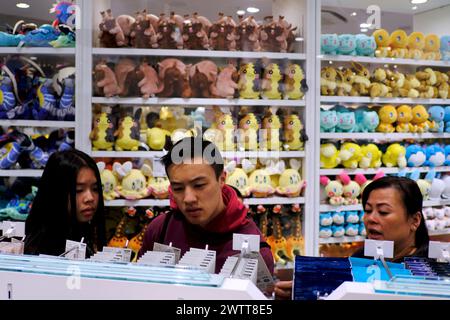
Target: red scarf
{"x":234,"y":216}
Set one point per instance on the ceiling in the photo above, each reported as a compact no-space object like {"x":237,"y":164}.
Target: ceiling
{"x":400,"y":6}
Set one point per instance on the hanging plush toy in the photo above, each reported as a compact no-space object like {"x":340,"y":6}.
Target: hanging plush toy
{"x":109,"y":182}
{"x":270,"y":83}
{"x":290,"y":183}
{"x":133,"y":185}
{"x":128,"y":132}
{"x":102,"y":134}
{"x":294,"y":133}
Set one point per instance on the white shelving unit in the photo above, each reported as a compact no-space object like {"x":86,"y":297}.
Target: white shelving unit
{"x":365,"y":100}
{"x":439,"y":232}
{"x":426,"y":203}
{"x":394,"y":170}
{"x":383,"y":136}
{"x":342,"y":240}
{"x":38,"y":123}
{"x":387,"y":61}
{"x":38,"y":51}
{"x":21,"y":173}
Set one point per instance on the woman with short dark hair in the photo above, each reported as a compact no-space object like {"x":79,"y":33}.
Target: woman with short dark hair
{"x":67,"y":206}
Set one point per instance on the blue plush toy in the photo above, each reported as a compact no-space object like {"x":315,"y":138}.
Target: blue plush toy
{"x":66,"y":110}
{"x":346,"y":121}
{"x":325,"y":232}
{"x":46,"y":103}
{"x":18,"y":209}
{"x":326,"y":219}
{"x":338,"y":217}
{"x":435,"y":156}
{"x":437,"y":114}
{"x":328,"y":120}
{"x":352,"y":216}
{"x":347,"y":44}
{"x":415,"y":155}
{"x":445,"y":48}
{"x":352,"y":229}
{"x":10,"y":40}
{"x":366,"y":120}
{"x":40,"y":37}
{"x":447,"y":118}
{"x":7,"y":97}
{"x":447,"y":155}
{"x":65,"y":13}
{"x":329,"y":44}
{"x":365,"y":45}
{"x":338,"y":231}
{"x":362,"y":230}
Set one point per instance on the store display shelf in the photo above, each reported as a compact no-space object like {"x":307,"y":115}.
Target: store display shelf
{"x":383,"y":136}
{"x":21,"y":173}
{"x":274,"y":200}
{"x":426,"y":203}
{"x":372,"y":60}
{"x":46,"y":51}
{"x":384,"y":169}
{"x":199,"y":102}
{"x":342,"y":240}
{"x":38,"y":123}
{"x":138,"y":203}
{"x":128,"y":154}
{"x":197,"y":53}
{"x":361,"y":100}
{"x":439,"y":232}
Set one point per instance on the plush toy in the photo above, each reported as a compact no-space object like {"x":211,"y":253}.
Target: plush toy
{"x":404,"y":117}
{"x":420,"y":121}
{"x":260,"y":184}
{"x":338,"y":231}
{"x":371,"y":156}
{"x":7,"y":97}
{"x":203,"y":77}
{"x":325,"y":219}
{"x":346,"y":121}
{"x":347,"y":44}
{"x":133,"y":182}
{"x":111,"y":34}
{"x":338,"y":218}
{"x":66,"y":108}
{"x":328,"y":120}
{"x":445,"y":48}
{"x":344,"y":83}
{"x":270,"y":83}
{"x":18,"y":208}
{"x":325,"y":232}
{"x":238,"y":178}
{"x":159,"y":187}
{"x":410,"y":87}
{"x":168,"y":32}
{"x":442,"y":87}
{"x":396,"y":81}
{"x":271,"y":127}
{"x":361,"y":80}
{"x":364,"y":182}
{"x":195,"y":33}
{"x":175,"y":77}
{"x":40,"y":37}
{"x":352,"y":229}
{"x":329,"y":44}
{"x":102,"y":134}
{"x":143,"y":34}
{"x":109,"y":182}
{"x":350,"y":155}
{"x":294,"y":82}
{"x":222,"y":34}
{"x":398,"y":42}
{"x":416,"y":43}
{"x":125,"y":71}
{"x":437,"y":114}
{"x":351,"y":189}
{"x":46,"y":104}
{"x":105,"y":80}
{"x":248,"y":34}
{"x":150,"y":85}
{"x":352,"y":216}
{"x":10,"y":40}
{"x":328,"y":81}
{"x":427,"y":79}
{"x":128,"y":132}
{"x":366,"y":120}
{"x":333,"y":189}
{"x":329,"y":156}
{"x":157,"y":138}
{"x":248,"y":134}
{"x":424,"y":184}
{"x":388,"y":116}
{"x":378,"y":87}
{"x":136,"y":242}
{"x":362,"y":230}
{"x":274,"y":34}
{"x":432,"y":47}
{"x":415,"y":156}
{"x":290,"y":183}
{"x":435,"y":156}
{"x":224,"y":122}
{"x":395,"y":156}
{"x":248,"y":84}
{"x":293,"y":133}
{"x":382,"y":39}
{"x":226,"y":84}
{"x":119,"y":239}
{"x":365,"y":45}
{"x":447,"y":119}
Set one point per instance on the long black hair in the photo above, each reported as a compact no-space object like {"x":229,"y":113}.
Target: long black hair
{"x":411,"y":197}
{"x":52,"y":219}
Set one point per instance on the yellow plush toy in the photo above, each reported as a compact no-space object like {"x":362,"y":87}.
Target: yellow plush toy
{"x":102,"y":134}
{"x":378,"y":88}
{"x":128,"y":132}
{"x":420,"y":121}
{"x":157,"y":138}
{"x":292,"y":132}
{"x":271,"y":81}
{"x":350,"y":155}
{"x":371,"y":156}
{"x":328,"y":81}
{"x":159,"y":187}
{"x":399,"y":41}
{"x":260,"y":184}
{"x":387,"y":115}
{"x":344,"y":83}
{"x":395,"y":156}
{"x":109,"y":182}
{"x":293,"y":82}
{"x":410,"y":86}
{"x":248,"y":131}
{"x":329,"y":156}
{"x":416,"y":43}
{"x":442,"y":87}
{"x":383,"y":43}
{"x":290,"y":183}
{"x":404,"y":117}
{"x":247,"y":85}
{"x":432,"y":47}
{"x":134,"y":184}
{"x":361,"y":79}
{"x":427,"y":80}
{"x":237,"y":177}
{"x":224,"y":122}
{"x":271,"y":126}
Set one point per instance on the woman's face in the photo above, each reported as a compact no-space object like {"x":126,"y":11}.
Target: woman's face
{"x":385,"y":218}
{"x":87,"y":195}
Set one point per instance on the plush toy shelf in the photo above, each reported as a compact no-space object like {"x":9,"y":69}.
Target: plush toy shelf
{"x":426,"y":203}
{"x":128,"y":154}
{"x":365,"y":100}
{"x":38,"y":124}
{"x":198,"y":102}
{"x":21,"y":173}
{"x":46,"y":51}
{"x":372,"y":60}
{"x":196,"y":53}
{"x":439,"y":232}
{"x":274,"y":200}
{"x":341,"y":240}
{"x":226,"y":155}
{"x":332,"y":172}
{"x":383,"y":136}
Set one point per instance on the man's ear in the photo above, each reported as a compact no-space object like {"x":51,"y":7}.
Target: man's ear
{"x":222,"y":178}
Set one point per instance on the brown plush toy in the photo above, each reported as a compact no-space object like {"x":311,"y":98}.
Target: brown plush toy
{"x":143,"y":34}
{"x":125,"y":71}
{"x":248,"y":34}
{"x":111,"y":34}
{"x":273,"y":36}
{"x":169,"y":32}
{"x":175,"y":77}
{"x":222,"y":35}
{"x":194,"y":34}
{"x":203,"y":77}
{"x":106,"y":81}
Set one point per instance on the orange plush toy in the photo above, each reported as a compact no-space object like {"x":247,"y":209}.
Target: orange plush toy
{"x":432,"y":47}
{"x":399,"y":42}
{"x":416,"y":43}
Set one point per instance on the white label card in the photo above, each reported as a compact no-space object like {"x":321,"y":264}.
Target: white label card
{"x":165,"y":248}
{"x":77,"y":250}
{"x":120,"y":254}
{"x":158,"y":168}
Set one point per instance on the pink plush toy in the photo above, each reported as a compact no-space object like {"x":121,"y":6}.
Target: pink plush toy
{"x":169,"y":32}
{"x":106,"y":80}
{"x":111,"y":34}
{"x":125,"y":22}
{"x":143,"y":34}
{"x":226,"y":82}
{"x":125,"y":75}
{"x":150,"y":84}
{"x":274,"y":35}
{"x":203,"y":77}
{"x":174,"y":74}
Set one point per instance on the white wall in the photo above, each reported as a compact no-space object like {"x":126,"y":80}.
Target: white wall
{"x":436,"y":21}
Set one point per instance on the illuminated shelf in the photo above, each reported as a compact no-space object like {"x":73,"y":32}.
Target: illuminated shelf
{"x":368,"y":100}
{"x":274,"y":200}
{"x":374,"y":60}
{"x":43,"y":50}
{"x":342,"y":240}
{"x":426,"y":203}
{"x":385,"y":170}
{"x":383,"y":136}
{"x":226,"y":154}
{"x":21,"y":173}
{"x":38,"y":123}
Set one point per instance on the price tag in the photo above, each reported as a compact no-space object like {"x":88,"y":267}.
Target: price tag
{"x":165,"y":248}
{"x":119,"y":254}
{"x":158,"y":168}
{"x":264,"y":280}
{"x":75,"y":250}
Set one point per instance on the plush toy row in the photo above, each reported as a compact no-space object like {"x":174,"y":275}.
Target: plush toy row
{"x":195,"y":32}
{"x":341,"y":223}
{"x":351,"y":155}
{"x":437,"y":218}
{"x":59,"y":34}
{"x":172,"y":78}
{"x":122,"y":132}
{"x":382,"y":45}
{"x":385,"y":83}
{"x":386,"y":119}
{"x":19,"y":150}
{"x":17,"y":207}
